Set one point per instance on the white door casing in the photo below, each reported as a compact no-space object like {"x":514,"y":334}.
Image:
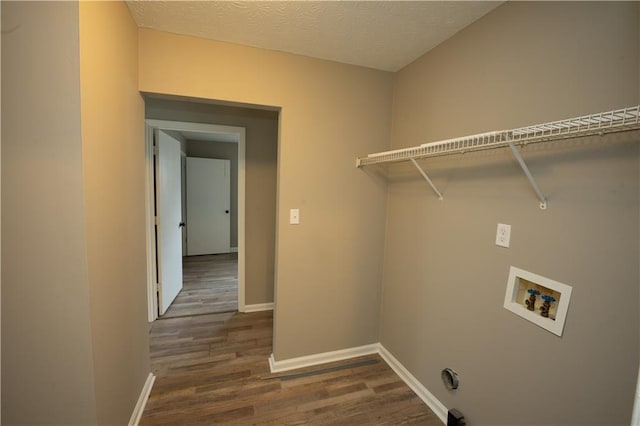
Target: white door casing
{"x":239,"y":133}
{"x":208,"y":206}
{"x":169,"y":219}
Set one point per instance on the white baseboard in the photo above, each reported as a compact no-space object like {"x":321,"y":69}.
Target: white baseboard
{"x":233,"y":249}
{"x":323,"y":358}
{"x":142,"y":400}
{"x":432,"y":402}
{"x":258,"y":307}
{"x":376,"y":348}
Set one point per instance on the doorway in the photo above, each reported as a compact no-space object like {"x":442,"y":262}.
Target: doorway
{"x":181,"y":132}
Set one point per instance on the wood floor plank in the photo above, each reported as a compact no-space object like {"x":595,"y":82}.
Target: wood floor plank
{"x":210,"y":285}
{"x":213,"y":369}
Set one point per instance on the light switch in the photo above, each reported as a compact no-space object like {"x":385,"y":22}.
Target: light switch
{"x":294,"y":216}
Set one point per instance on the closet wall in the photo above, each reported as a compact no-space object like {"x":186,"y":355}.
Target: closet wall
{"x":444,"y":277}
{"x":46,"y":314}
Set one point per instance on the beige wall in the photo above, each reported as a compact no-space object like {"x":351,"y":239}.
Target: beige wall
{"x":47,"y":359}
{"x":328,"y":267}
{"x":444,"y":278}
{"x":261,"y":145}
{"x":113,"y":155}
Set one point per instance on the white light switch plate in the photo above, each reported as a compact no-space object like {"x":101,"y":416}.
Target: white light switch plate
{"x":503,"y":235}
{"x":294,"y":216}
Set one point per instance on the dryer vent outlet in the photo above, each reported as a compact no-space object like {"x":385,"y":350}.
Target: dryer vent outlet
{"x":455,"y":418}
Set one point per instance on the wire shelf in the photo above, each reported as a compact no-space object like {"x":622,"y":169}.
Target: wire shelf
{"x":595,"y":124}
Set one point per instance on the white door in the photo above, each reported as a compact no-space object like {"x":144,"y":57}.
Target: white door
{"x":169,"y":213}
{"x":208,"y":206}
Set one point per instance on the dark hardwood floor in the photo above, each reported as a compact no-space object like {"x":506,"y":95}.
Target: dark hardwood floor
{"x":210,"y":285}
{"x":213,"y":369}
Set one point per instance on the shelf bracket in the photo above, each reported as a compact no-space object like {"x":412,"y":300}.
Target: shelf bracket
{"x":424,"y":175}
{"x":525,"y":169}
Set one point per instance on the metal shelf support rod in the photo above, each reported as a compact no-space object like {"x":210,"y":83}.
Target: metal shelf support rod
{"x":525,"y":169}
{"x":424,"y":175}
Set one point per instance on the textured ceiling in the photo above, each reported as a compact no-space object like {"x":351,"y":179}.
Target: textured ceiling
{"x":385,"y":35}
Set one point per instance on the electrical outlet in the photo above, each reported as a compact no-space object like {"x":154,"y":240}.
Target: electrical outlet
{"x":503,"y":235}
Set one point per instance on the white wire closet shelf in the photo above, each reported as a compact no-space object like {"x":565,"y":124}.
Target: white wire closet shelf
{"x":619,"y":120}
{"x":594,"y":124}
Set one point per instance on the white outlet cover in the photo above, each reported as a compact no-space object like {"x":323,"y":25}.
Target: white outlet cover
{"x":294,"y":216}
{"x":503,"y":235}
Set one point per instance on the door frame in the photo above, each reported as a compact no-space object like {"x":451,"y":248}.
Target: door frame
{"x":151,"y":124}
